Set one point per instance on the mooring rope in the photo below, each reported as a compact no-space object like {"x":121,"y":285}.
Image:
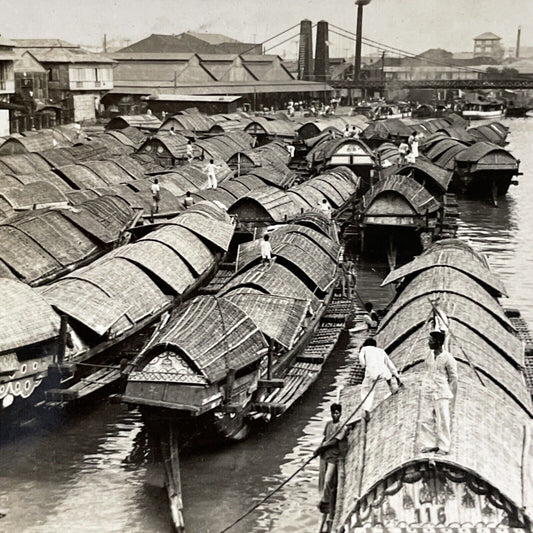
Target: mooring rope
{"x":298,"y":470}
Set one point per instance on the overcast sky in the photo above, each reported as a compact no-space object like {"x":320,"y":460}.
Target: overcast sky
{"x":413,"y":25}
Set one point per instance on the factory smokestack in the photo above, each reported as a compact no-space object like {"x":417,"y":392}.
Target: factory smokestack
{"x":322,"y":52}
{"x":305,"y":55}
{"x":518,"y":42}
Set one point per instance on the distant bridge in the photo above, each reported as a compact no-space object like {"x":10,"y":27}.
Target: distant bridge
{"x":518,"y":83}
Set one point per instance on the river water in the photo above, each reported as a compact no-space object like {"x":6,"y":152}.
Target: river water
{"x":86,"y":474}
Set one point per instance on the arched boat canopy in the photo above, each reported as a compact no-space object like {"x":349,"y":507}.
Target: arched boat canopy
{"x":456,"y":254}
{"x":400,"y":196}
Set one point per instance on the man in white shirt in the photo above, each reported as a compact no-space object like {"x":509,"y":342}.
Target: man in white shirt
{"x":266,"y":250}
{"x":377,"y":365}
{"x":156,"y":195}
{"x":325,"y":208}
{"x":211,"y":174}
{"x":439,"y":386}
{"x":190,"y":154}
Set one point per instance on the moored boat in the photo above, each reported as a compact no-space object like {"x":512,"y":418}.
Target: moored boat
{"x":102,"y":305}
{"x":485,"y":478}
{"x":211,"y":366}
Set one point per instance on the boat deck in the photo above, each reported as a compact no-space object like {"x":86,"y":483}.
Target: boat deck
{"x":309,"y":363}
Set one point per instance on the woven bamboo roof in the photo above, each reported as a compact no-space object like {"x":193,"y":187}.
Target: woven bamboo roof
{"x":277,"y":280}
{"x":86,"y":303}
{"x":48,"y":176}
{"x":132,"y":166}
{"x":25,"y":317}
{"x":196,"y":122}
{"x":109,"y":171}
{"x":439,"y":148}
{"x":236,"y":188}
{"x":211,"y":210}
{"x":473,"y":351}
{"x":215,"y":232}
{"x":57,"y":158}
{"x":24,"y":256}
{"x":441,"y":278}
{"x":28,"y":163}
{"x":278,"y":174}
{"x":34,"y":143}
{"x":425,"y":170}
{"x":299,"y":253}
{"x":213,"y":335}
{"x":187,"y":244}
{"x":417,"y":197}
{"x":219,"y":195}
{"x":456,"y":254}
{"x":273,"y":128}
{"x":479,"y":151}
{"x":149,"y":122}
{"x":316,"y":221}
{"x":326,"y":149}
{"x":269,"y":199}
{"x":160,"y":260}
{"x":81,"y":176}
{"x":462,"y":310}
{"x":292,"y":231}
{"x":37,"y":194}
{"x":487,"y":443}
{"x":38,"y":245}
{"x":124,"y":282}
{"x":103,"y":218}
{"x":279,"y":318}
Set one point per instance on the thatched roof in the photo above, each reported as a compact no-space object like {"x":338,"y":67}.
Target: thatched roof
{"x":279,"y":318}
{"x":491,"y":415}
{"x":159,"y":260}
{"x":453,"y":253}
{"x":215,"y":232}
{"x":187,"y":244}
{"x":25,"y":317}
{"x":438,"y":176}
{"x":109,"y":171}
{"x":81,"y":176}
{"x":124,"y":287}
{"x":414,"y":196}
{"x":487,"y":448}
{"x":277,"y":280}
{"x":212,"y":335}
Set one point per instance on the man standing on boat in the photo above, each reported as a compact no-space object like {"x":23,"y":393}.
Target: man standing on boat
{"x":377,"y":365}
{"x":330,"y":451}
{"x":266,"y":250}
{"x":439,"y":386}
{"x":211,"y":174}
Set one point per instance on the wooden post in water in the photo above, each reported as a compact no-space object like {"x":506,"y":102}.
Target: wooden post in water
{"x":270,"y":355}
{"x":63,"y":332}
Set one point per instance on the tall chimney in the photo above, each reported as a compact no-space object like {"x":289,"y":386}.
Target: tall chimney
{"x":322,"y":52}
{"x":305,"y":55}
{"x":518,"y":42}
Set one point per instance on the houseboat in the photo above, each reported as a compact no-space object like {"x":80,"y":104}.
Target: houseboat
{"x":388,"y":479}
